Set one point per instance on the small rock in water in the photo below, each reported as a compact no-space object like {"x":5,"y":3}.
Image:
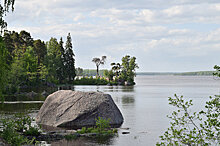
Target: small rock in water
{"x":125,"y":132}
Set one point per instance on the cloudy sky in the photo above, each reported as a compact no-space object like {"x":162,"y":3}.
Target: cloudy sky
{"x":164,"y":35}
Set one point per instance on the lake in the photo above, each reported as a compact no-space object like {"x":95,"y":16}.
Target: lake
{"x":143,"y":106}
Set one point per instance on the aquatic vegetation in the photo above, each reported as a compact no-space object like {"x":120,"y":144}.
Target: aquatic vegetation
{"x":102,"y":128}
{"x":14,"y":129}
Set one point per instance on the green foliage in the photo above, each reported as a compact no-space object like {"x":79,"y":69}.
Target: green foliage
{"x":32,"y":63}
{"x":116,"y":68}
{"x":109,"y":74}
{"x":40,"y":50}
{"x":102,"y":128}
{"x":12,"y":128}
{"x":124,"y":72}
{"x":22,"y":122}
{"x":128,"y":69}
{"x":82,"y":130}
{"x":70,"y":136}
{"x":32,"y":131}
{"x":3,"y":10}
{"x":90,"y":81}
{"x":217,"y":72}
{"x":3,"y":67}
{"x":102,"y":124}
{"x":53,"y":59}
{"x":193,"y":129}
{"x":70,"y":61}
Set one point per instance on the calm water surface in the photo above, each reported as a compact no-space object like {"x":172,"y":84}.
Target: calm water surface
{"x":144,"y":106}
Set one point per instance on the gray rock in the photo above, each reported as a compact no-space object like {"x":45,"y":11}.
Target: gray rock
{"x":75,"y":109}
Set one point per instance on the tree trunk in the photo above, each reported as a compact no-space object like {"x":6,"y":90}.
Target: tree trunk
{"x":97,"y":71}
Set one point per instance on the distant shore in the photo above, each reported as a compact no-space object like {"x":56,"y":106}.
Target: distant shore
{"x":197,"y":73}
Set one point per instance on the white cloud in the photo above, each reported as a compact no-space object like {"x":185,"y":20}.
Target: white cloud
{"x":144,"y":28}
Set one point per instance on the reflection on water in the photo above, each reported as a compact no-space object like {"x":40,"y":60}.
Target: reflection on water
{"x":24,"y":98}
{"x":143,"y":106}
{"x":129,"y":99}
{"x":84,"y":142}
{"x":16,"y":107}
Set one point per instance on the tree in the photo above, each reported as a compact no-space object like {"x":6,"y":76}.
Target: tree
{"x":5,"y":9}
{"x":30,"y":65}
{"x":3,"y":67}
{"x":3,"y":52}
{"x":53,"y":59}
{"x":40,"y":49}
{"x":128,"y":67}
{"x":201,"y":128}
{"x":61,"y":73}
{"x":25,"y":39}
{"x":98,"y":62}
{"x":116,"y":68}
{"x":109,"y":74}
{"x":69,"y":58}
{"x":9,"y":46}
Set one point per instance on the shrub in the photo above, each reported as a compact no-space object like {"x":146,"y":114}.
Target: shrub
{"x":102,"y":124}
{"x":32,"y":131}
{"x":201,"y":128}
{"x":102,"y":128}
{"x":14,"y":128}
{"x":70,"y":136}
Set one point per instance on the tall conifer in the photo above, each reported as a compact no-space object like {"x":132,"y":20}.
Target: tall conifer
{"x":69,"y":58}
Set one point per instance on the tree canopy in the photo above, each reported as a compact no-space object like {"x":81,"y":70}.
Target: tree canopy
{"x":98,"y":62}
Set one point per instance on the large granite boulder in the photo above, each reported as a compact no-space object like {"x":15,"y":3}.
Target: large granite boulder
{"x":75,"y":109}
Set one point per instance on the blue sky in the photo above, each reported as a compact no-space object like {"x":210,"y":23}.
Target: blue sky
{"x":164,"y":36}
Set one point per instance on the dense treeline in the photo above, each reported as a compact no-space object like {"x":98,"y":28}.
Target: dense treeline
{"x":32,"y":62}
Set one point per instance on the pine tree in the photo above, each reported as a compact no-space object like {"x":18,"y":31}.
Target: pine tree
{"x":69,"y":59}
{"x":61,"y":69}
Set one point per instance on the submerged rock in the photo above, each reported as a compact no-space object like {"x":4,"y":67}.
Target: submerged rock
{"x":75,"y":109}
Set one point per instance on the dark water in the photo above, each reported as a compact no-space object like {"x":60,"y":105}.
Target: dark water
{"x":143,"y":106}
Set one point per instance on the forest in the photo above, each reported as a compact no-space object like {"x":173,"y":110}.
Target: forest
{"x":33,"y":63}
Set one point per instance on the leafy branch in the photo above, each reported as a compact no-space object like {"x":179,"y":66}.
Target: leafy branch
{"x":192,"y":129}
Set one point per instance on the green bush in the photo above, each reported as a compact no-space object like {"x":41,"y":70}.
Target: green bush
{"x":70,"y":136}
{"x":22,"y":122}
{"x":201,"y":128}
{"x":102,"y":124}
{"x":32,"y":131}
{"x":102,"y":128}
{"x":14,"y":128}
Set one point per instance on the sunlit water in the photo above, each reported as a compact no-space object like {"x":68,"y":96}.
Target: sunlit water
{"x":144,"y":106}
